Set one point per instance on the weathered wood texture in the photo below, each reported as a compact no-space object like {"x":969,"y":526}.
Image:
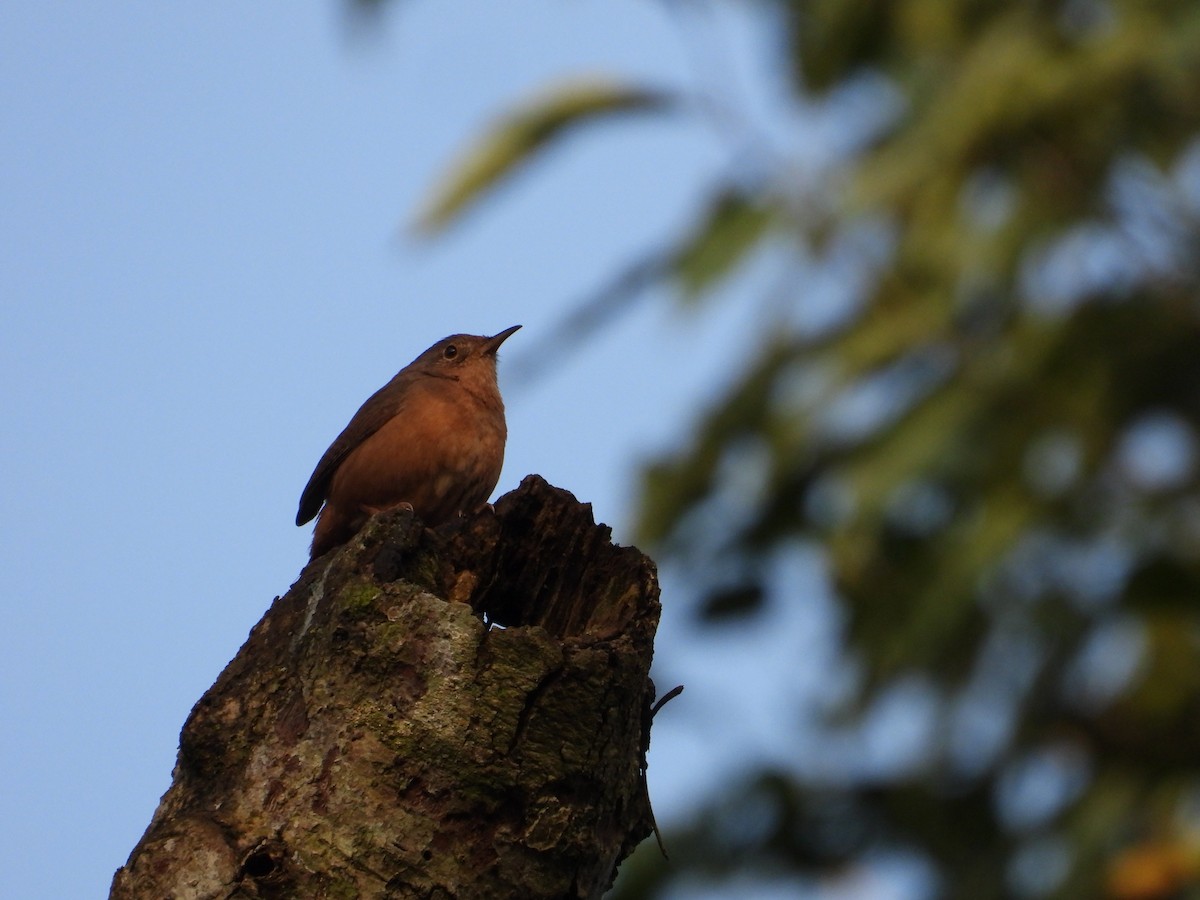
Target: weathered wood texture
{"x":374,"y":737}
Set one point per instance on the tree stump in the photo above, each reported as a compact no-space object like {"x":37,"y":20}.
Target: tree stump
{"x":460,"y":713}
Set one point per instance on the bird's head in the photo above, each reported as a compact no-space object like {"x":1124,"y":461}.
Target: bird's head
{"x":462,"y":355}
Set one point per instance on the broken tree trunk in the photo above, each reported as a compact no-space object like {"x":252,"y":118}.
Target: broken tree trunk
{"x":377,"y":737}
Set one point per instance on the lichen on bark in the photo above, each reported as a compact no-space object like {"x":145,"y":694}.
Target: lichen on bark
{"x":459,"y":713}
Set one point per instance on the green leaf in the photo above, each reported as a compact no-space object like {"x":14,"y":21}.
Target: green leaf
{"x":732,"y":226}
{"x":674,"y":486}
{"x":517,"y":136}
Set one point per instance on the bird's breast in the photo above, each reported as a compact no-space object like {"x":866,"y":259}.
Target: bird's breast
{"x":442,"y":453}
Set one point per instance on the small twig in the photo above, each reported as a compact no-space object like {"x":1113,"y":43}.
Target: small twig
{"x":669,"y":695}
{"x":662,"y":848}
{"x":646,"y":721}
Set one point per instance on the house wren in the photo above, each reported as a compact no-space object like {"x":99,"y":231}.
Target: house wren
{"x":432,"y":437}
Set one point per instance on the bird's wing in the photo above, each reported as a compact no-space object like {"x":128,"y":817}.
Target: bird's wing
{"x":371,"y":416}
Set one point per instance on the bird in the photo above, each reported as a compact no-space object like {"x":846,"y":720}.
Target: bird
{"x":433,"y":438}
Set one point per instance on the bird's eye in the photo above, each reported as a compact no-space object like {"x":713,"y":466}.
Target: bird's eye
{"x":450,"y":352}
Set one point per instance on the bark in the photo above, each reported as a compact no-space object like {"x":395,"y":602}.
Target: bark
{"x":456,"y":713}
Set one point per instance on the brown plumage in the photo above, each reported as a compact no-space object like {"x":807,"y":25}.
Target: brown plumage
{"x":432,"y":437}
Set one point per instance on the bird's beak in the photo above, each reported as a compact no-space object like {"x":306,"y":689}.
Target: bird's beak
{"x":494,"y":342}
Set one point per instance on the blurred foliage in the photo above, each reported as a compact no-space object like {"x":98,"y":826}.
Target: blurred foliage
{"x":995,"y":440}
{"x":513,"y":140}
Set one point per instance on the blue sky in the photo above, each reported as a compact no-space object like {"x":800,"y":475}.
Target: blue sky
{"x":204,"y":271}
